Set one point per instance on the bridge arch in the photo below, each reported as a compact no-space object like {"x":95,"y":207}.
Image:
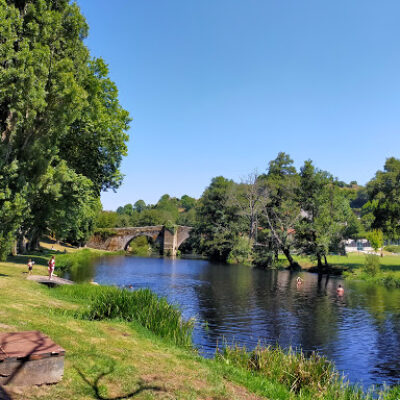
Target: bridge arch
{"x":153,"y":239}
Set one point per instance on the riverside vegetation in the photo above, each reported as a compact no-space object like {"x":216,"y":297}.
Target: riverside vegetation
{"x":302,"y":216}
{"x":120,"y":342}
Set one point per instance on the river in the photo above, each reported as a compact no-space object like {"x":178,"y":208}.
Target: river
{"x":359,"y":331}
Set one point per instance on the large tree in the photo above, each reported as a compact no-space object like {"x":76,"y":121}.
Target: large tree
{"x":326,"y":216}
{"x":281,"y":210}
{"x":57,"y":108}
{"x":249,"y":199}
{"x":217,"y":219}
{"x":383,"y":207}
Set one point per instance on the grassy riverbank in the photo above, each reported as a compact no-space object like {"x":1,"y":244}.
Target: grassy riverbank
{"x":352,"y":267}
{"x":113,"y":356}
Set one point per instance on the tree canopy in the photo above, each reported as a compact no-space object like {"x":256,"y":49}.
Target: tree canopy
{"x":63,"y":131}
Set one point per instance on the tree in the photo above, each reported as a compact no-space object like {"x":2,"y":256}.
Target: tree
{"x":107,"y":219}
{"x":58,"y":109}
{"x":217,"y":220}
{"x":325,"y":211}
{"x":140,"y":205}
{"x":187,"y":202}
{"x":383,"y":206}
{"x":249,"y":198}
{"x":375,"y":237}
{"x":99,"y":132}
{"x":281,"y":211}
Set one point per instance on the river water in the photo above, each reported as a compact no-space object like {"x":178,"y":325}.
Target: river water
{"x":359,"y":331}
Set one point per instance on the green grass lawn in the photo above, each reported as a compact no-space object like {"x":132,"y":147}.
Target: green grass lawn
{"x":350,"y":262}
{"x":352,"y":265}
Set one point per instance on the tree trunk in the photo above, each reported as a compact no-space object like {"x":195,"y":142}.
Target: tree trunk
{"x":292,"y":263}
{"x":320,"y":265}
{"x":21,"y":243}
{"x":14,"y":251}
{"x":34,"y":239}
{"x":326,"y":261}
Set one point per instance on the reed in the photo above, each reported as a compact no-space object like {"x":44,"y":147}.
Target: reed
{"x":291,"y":368}
{"x":312,"y":377}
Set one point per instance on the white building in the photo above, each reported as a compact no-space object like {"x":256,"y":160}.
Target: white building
{"x":360,"y":245}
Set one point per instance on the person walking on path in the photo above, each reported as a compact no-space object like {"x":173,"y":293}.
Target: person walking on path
{"x":30,"y":266}
{"x":52,"y":264}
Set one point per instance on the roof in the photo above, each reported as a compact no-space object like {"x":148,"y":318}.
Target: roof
{"x":28,"y":344}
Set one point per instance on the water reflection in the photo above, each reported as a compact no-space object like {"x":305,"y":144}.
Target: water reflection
{"x":360,"y":331}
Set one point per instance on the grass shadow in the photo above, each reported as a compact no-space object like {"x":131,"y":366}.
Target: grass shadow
{"x":4,"y":395}
{"x":40,"y":258}
{"x":95,"y":385}
{"x":392,"y":268}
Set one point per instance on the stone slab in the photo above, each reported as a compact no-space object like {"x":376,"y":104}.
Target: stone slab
{"x":55,"y":280}
{"x":30,"y":358}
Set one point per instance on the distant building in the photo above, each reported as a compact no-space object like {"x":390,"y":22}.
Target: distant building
{"x":362,"y":245}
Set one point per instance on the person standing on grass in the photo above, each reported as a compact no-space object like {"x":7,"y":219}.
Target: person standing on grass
{"x":30,"y":266}
{"x":52,"y":265}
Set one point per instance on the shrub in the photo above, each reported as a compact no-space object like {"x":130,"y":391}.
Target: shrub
{"x":242,"y":252}
{"x":392,"y":249}
{"x":375,"y":237}
{"x":139,"y":246}
{"x":170,"y":226}
{"x":371,"y":264}
{"x":104,"y":233}
{"x":6,"y":243}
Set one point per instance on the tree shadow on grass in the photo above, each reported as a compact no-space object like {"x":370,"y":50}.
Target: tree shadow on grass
{"x":39,"y":259}
{"x":4,"y":275}
{"x":4,"y":395}
{"x":95,"y":385}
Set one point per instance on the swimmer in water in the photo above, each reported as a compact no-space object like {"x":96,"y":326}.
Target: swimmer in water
{"x":299,"y":281}
{"x":340,"y":290}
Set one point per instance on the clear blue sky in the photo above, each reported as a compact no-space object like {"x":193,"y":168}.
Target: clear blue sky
{"x":219,"y":87}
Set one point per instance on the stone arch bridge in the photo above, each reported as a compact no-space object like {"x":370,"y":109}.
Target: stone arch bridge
{"x":115,"y":239}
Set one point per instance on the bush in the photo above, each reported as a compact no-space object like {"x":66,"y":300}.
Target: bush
{"x":392,"y":249}
{"x":371,"y":264}
{"x":104,"y":233}
{"x":242,"y":252}
{"x":139,"y":246}
{"x":6,"y":243}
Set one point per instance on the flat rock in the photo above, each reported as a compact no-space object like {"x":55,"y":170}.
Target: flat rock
{"x":30,"y":358}
{"x":55,"y":280}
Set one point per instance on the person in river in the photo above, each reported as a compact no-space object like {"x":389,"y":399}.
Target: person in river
{"x":52,"y":265}
{"x":30,"y":266}
{"x":340,"y":290}
{"x":299,"y":281}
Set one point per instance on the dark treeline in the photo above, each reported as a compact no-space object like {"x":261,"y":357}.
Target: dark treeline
{"x":281,"y":211}
{"x":167,"y":211}
{"x":62,"y":129}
